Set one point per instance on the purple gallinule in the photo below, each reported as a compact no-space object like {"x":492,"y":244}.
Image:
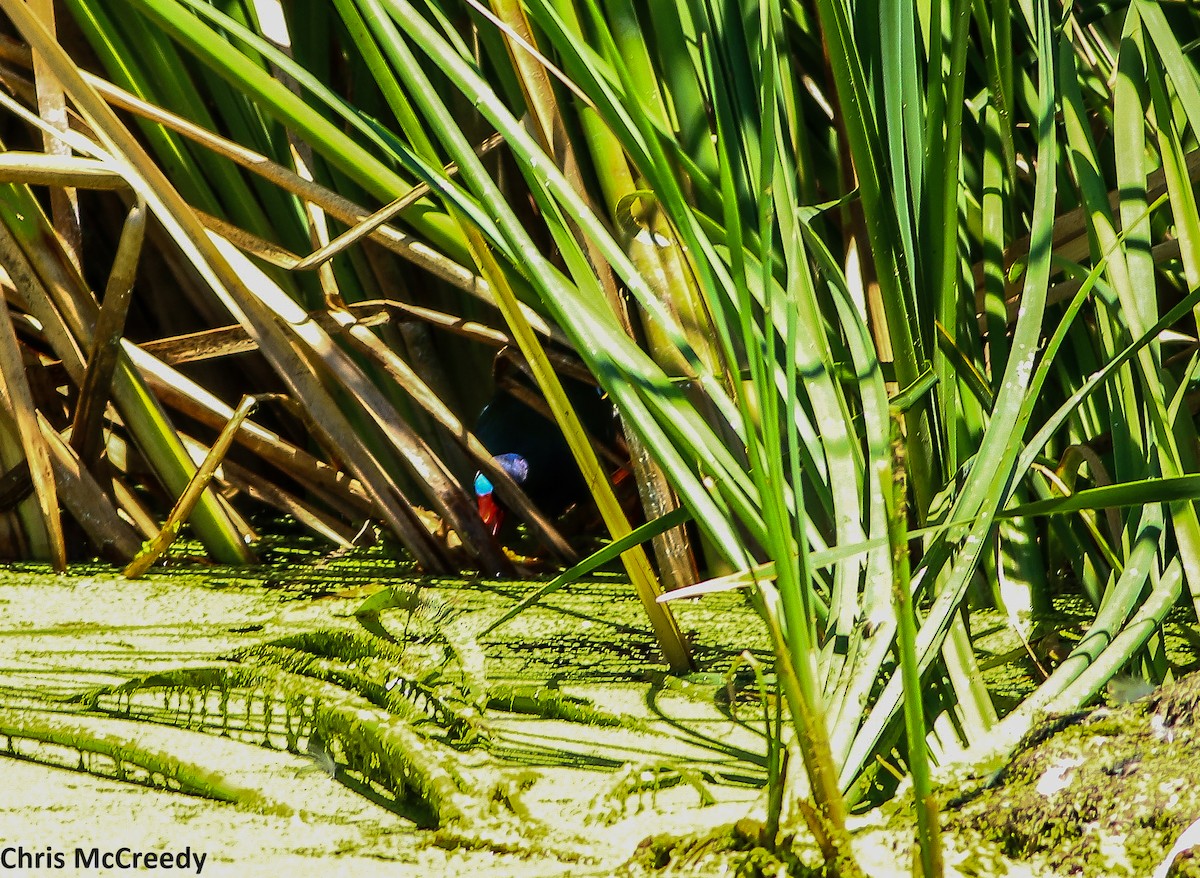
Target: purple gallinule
{"x":528,"y":444}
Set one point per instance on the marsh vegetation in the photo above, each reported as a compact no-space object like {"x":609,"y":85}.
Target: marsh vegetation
{"x":895,"y":304}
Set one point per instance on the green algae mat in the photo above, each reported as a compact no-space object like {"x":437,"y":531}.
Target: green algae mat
{"x":212,"y":721}
{"x":248,"y":722}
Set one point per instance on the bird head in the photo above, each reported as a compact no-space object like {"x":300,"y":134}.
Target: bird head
{"x":491,"y":510}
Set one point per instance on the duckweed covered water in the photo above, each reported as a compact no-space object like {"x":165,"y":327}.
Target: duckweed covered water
{"x":688,"y":762}
{"x":67,"y":635}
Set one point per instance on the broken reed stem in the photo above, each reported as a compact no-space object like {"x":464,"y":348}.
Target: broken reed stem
{"x":195,"y":488}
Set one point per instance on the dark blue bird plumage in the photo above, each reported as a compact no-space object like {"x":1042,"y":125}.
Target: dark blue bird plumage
{"x":530,"y":447}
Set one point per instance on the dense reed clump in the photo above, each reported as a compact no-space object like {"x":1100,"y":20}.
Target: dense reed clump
{"x":896,"y":302}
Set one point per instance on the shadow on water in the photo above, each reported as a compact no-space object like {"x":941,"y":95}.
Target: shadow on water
{"x":588,"y":642}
